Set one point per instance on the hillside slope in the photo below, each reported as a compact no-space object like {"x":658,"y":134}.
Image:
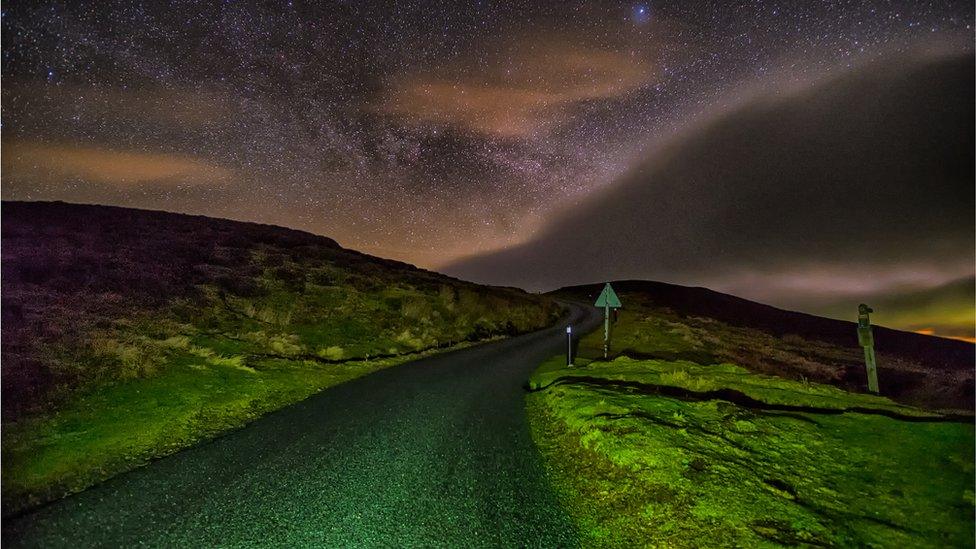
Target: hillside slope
{"x":719,"y":422}
{"x":128,"y":334}
{"x":913,"y":368}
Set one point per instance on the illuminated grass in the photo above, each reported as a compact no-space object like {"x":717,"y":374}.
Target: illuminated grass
{"x":648,"y":469}
{"x":124,"y":425}
{"x":129,"y":334}
{"x":695,"y":379}
{"x":673,"y":443}
{"x":154,"y":384}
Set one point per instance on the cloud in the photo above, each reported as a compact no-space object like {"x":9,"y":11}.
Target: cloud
{"x":57,"y":163}
{"x":522,"y":93}
{"x":30,"y":104}
{"x":860,"y":183}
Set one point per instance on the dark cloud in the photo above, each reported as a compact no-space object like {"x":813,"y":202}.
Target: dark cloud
{"x":859,"y":183}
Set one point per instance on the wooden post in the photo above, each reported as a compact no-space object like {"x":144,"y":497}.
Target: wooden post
{"x":865,"y":336}
{"x":606,"y":331}
{"x":872,"y":366}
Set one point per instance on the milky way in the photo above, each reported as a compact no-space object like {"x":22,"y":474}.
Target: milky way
{"x":421,"y":131}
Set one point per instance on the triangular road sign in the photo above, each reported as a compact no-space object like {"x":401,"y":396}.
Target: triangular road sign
{"x":608,"y":298}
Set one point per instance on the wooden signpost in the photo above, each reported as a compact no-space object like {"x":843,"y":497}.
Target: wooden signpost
{"x":608,"y":299}
{"x":865,"y":336}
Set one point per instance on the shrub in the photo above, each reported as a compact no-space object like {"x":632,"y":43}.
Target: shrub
{"x":293,"y":279}
{"x":417,"y":308}
{"x":407,"y":339}
{"x":333,"y":352}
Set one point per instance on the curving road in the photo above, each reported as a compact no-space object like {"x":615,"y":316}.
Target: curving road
{"x":432,"y":453}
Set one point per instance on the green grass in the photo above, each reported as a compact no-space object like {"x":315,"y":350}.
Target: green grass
{"x":126,"y":424}
{"x":126,"y":383}
{"x":646,"y":330}
{"x":647,"y":452}
{"x":647,"y":469}
{"x":698,"y":379}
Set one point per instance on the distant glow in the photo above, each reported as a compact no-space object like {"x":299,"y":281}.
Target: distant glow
{"x":931,"y":332}
{"x":38,"y":160}
{"x":838,"y":279}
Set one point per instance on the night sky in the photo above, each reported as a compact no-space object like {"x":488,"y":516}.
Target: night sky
{"x":431,"y":132}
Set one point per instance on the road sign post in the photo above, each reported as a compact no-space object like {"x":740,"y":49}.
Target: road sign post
{"x":608,"y":299}
{"x":865,"y":336}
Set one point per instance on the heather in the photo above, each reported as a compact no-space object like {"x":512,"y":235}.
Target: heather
{"x":128,"y":334}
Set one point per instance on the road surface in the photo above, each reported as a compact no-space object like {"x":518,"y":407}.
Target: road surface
{"x":432,"y":453}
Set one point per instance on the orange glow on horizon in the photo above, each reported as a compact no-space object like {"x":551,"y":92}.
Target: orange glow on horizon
{"x":931,"y":332}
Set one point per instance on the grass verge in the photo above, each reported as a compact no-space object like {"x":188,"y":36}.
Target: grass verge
{"x":125,"y":425}
{"x":643,"y":469}
{"x":129,"y":334}
{"x":671,"y":444}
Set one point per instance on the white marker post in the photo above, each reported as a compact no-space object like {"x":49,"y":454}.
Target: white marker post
{"x":569,"y":345}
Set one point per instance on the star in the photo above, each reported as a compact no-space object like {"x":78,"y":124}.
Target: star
{"x":426,"y":120}
{"x":641,"y":14}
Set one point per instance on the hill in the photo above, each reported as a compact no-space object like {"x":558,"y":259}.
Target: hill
{"x":719,"y":422}
{"x":913,"y":368}
{"x":128,"y":334}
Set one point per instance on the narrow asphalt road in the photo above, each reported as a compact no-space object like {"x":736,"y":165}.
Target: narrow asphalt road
{"x":432,"y":453}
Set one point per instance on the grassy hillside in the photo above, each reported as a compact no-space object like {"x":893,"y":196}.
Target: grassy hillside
{"x":676,"y":322}
{"x":129,"y":334}
{"x":698,"y":432}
